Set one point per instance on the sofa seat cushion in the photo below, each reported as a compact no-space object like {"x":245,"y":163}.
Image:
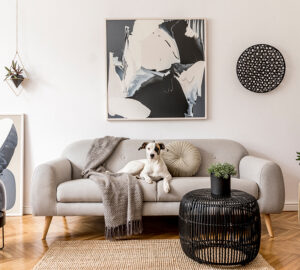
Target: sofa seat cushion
{"x":182,"y":185}
{"x":86,"y":190}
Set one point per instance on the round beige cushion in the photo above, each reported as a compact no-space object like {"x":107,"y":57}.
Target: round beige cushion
{"x":182,"y":158}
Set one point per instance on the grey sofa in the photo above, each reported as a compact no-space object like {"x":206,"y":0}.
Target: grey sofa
{"x":59,"y":190}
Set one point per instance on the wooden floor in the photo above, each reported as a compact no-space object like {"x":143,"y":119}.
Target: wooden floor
{"x":24,"y":247}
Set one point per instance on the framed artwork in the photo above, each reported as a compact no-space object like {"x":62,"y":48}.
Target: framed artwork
{"x":156,"y":69}
{"x":12,"y":161}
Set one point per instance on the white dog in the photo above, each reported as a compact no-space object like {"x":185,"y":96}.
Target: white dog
{"x":151,"y":169}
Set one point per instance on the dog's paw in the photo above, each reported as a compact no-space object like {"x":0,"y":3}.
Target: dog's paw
{"x":148,"y":180}
{"x":166,"y":187}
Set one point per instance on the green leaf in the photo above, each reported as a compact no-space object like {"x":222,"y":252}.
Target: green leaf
{"x":222,"y":170}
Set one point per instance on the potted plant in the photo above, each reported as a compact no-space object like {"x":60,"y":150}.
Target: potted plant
{"x":220,"y":178}
{"x":298,"y":156}
{"x":14,"y":73}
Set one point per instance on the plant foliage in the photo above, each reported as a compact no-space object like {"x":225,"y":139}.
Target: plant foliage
{"x":298,"y":156}
{"x":14,"y":72}
{"x":224,"y":170}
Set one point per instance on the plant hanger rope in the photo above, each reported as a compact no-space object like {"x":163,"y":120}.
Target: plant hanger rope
{"x":16,"y":72}
{"x":17,"y":26}
{"x":17,"y":33}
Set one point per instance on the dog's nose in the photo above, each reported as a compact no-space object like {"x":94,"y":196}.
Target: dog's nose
{"x":152,"y":155}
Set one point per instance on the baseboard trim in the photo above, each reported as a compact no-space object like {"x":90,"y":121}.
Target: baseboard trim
{"x":290,"y":207}
{"x":287,"y":207}
{"x":27,"y":210}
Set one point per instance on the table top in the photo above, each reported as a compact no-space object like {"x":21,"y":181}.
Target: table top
{"x":205,"y":196}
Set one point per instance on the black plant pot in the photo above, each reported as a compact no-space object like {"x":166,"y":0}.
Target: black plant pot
{"x":17,"y":81}
{"x":220,"y":187}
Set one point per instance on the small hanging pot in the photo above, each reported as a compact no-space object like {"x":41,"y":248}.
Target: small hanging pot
{"x":220,"y":187}
{"x":17,"y":80}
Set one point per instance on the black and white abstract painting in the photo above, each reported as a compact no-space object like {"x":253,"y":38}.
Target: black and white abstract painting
{"x":156,"y":69}
{"x":11,"y":162}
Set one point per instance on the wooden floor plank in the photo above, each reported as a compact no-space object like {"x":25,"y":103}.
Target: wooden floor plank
{"x":24,"y":247}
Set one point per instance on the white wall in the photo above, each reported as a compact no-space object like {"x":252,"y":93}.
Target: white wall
{"x":62,"y":43}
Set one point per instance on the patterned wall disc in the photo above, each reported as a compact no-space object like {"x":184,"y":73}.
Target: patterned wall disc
{"x":260,"y":68}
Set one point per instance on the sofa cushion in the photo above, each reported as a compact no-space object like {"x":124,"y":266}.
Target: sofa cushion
{"x":86,"y":190}
{"x":182,"y":185}
{"x":182,"y":158}
{"x":211,"y":150}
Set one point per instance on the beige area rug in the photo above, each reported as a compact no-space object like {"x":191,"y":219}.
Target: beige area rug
{"x":126,"y":255}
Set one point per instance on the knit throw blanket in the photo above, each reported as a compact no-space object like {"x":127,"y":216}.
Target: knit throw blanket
{"x":121,"y":193}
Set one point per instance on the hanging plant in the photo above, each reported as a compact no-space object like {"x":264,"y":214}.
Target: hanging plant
{"x":15,"y":73}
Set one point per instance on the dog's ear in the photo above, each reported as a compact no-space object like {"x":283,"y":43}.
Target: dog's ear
{"x":162,"y":146}
{"x":143,"y":146}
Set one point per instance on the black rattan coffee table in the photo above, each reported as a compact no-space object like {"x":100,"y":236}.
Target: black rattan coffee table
{"x":223,"y":231}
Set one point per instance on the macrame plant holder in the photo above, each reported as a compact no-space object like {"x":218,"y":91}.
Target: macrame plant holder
{"x":15,"y":84}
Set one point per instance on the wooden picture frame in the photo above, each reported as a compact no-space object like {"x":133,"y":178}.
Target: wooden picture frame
{"x":12,"y":136}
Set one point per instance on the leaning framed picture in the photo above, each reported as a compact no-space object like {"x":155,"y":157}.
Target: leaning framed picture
{"x":156,"y":69}
{"x":12,"y":161}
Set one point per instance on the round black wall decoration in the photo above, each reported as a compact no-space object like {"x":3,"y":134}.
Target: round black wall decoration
{"x":260,"y":68}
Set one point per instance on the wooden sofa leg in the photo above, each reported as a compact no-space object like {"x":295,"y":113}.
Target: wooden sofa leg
{"x":269,"y":224}
{"x":46,"y":226}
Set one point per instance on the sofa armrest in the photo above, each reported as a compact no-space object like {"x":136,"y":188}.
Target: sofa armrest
{"x":45,"y":180}
{"x":269,"y":179}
